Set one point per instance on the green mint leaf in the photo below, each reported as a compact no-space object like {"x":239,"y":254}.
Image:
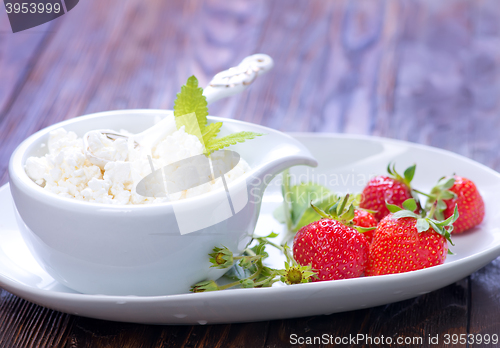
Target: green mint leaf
{"x":191,"y":99}
{"x":211,"y":131}
{"x":228,"y":140}
{"x":190,"y":125}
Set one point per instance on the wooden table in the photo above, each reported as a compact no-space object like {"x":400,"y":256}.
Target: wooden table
{"x":423,"y":71}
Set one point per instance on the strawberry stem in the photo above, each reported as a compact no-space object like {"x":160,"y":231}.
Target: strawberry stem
{"x":423,"y":193}
{"x":432,"y":211}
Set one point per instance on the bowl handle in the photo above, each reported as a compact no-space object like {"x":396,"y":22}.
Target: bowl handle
{"x":285,"y":153}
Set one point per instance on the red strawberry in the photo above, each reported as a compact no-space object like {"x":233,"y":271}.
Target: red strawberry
{"x":405,"y":242}
{"x":363,"y":218}
{"x":470,"y":205}
{"x":393,"y":189}
{"x":334,"y":250}
{"x":332,"y":246}
{"x":461,"y":192}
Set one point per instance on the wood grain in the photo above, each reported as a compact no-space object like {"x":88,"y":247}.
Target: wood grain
{"x":18,"y":55}
{"x":423,"y":71}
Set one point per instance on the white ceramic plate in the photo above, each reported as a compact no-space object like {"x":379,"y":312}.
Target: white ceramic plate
{"x":345,"y":164}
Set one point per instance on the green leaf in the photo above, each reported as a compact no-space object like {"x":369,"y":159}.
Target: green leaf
{"x":231,"y":139}
{"x":393,"y":208}
{"x":247,"y":283}
{"x":449,"y":183}
{"x":285,"y":191}
{"x":422,"y":225}
{"x":439,"y":215}
{"x":403,"y":214}
{"x":389,"y":170}
{"x":279,"y":214}
{"x":299,"y":198}
{"x":333,"y":209}
{"x":211,"y":131}
{"x":410,"y":204}
{"x":410,"y":173}
{"x":260,"y":249}
{"x":272,"y":235}
{"x":237,"y":273}
{"x":448,"y":195}
{"x":441,"y":205}
{"x":191,"y":99}
{"x":190,"y":125}
{"x":308,"y":215}
{"x":364,"y":229}
{"x":442,"y":231}
{"x":349,"y":214}
{"x":340,"y":208}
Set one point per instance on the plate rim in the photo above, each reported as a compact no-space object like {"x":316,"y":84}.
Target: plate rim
{"x":40,"y":296}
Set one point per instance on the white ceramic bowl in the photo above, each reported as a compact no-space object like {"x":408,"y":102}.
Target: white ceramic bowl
{"x":138,"y":250}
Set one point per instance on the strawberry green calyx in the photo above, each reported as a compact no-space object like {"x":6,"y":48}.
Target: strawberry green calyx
{"x":408,"y":174}
{"x":206,"y":285}
{"x":295,"y":273}
{"x":343,"y":212}
{"x":221,"y":258}
{"x":439,"y":193}
{"x":423,"y":224}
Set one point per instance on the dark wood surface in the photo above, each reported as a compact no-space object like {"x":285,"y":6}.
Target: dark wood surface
{"x":424,"y":71}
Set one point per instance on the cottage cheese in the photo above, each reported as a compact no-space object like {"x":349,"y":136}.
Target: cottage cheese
{"x":66,"y":171}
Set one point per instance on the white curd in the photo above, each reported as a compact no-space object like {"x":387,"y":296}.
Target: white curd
{"x":66,"y":171}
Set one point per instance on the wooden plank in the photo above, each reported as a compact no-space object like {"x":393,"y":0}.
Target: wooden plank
{"x":484,"y":303}
{"x":434,"y":314}
{"x":85,"y":70}
{"x":24,"y":324}
{"x":65,"y":75}
{"x":483,"y":72}
{"x":18,"y":55}
{"x":394,"y":68}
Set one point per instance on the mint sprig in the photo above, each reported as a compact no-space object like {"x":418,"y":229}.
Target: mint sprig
{"x":191,"y":100}
{"x":232,"y":139}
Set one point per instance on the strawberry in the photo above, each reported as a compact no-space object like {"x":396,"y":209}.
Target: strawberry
{"x":363,"y":218}
{"x":404,"y":241}
{"x":393,"y":189}
{"x":461,"y":192}
{"x":332,"y":246}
